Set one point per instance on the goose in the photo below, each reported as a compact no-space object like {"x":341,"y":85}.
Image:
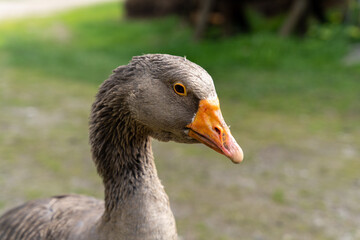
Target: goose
{"x":157,"y":96}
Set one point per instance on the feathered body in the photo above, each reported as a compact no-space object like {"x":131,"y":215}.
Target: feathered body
{"x":59,"y":217}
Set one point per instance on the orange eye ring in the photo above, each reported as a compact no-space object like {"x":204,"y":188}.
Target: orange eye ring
{"x":180,"y":89}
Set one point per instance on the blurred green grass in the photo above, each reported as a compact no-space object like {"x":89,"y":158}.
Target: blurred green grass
{"x":84,"y":48}
{"x":292,"y":104}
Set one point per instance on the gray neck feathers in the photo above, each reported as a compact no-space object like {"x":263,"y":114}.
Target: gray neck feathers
{"x":136,"y":205}
{"x":121,"y":147}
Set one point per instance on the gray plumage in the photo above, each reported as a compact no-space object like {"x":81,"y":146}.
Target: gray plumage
{"x":136,"y":103}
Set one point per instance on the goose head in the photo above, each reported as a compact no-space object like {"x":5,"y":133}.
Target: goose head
{"x":175,"y":99}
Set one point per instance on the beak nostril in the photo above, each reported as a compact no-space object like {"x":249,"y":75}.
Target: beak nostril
{"x":218,"y":130}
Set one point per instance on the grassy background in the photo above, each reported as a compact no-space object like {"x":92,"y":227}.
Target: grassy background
{"x":292,"y":105}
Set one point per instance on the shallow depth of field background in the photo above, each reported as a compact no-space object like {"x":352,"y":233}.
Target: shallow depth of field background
{"x":293,"y":105}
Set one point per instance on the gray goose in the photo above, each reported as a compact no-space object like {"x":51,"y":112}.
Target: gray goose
{"x":155,"y":96}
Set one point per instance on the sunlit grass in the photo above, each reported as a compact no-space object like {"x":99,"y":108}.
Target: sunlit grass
{"x":262,"y":69}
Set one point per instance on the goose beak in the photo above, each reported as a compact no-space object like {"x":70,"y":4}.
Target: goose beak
{"x":209,"y":127}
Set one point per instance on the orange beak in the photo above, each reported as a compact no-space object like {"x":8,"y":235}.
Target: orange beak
{"x":209,"y":127}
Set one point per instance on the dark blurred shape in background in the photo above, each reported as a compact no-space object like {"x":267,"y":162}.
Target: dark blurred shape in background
{"x":230,"y":16}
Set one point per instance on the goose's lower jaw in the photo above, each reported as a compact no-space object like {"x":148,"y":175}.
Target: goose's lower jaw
{"x":209,"y":127}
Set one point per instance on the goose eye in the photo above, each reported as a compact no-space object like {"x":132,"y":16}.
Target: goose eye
{"x":180,"y":89}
